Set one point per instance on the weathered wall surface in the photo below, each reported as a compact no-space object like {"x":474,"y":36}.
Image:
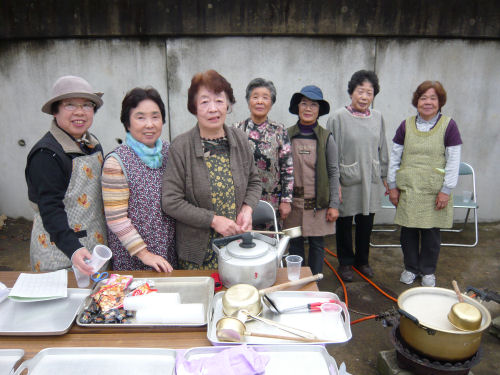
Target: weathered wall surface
{"x":468,"y":69}
{"x":96,"y":18}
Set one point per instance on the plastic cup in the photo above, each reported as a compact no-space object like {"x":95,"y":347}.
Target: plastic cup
{"x":82,"y":279}
{"x":332,"y":310}
{"x":467,"y":196}
{"x":100,"y":256}
{"x":293,"y":264}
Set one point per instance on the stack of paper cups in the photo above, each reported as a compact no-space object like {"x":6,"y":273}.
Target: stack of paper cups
{"x":100,"y":256}
{"x":151,"y":301}
{"x":188,"y":313}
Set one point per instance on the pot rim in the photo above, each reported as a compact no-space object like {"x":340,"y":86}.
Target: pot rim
{"x":486,"y":316}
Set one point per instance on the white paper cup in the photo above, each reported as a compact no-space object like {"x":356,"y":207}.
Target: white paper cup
{"x":467,"y":196}
{"x":293,"y":264}
{"x":82,"y":279}
{"x":100,"y":256}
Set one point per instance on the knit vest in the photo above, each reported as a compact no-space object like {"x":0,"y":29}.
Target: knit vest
{"x":322,"y":183}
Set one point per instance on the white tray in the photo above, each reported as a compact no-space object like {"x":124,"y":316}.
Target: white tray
{"x":198,"y":289}
{"x":327,"y":330}
{"x":8,"y":360}
{"x":284,"y":359}
{"x":95,"y":361}
{"x":53,"y":317}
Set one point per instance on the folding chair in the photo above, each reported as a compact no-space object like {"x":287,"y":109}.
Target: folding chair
{"x":459,"y":201}
{"x":467,"y":203}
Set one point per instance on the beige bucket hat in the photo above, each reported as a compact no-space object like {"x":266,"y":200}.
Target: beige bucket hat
{"x":72,"y":87}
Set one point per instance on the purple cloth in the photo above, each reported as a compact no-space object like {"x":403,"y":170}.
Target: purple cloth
{"x":238,"y":360}
{"x":451,"y":136}
{"x":307,"y":129}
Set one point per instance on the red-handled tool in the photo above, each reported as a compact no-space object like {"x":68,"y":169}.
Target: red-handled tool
{"x":311,"y":307}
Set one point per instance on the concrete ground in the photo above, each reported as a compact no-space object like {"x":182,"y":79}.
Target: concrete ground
{"x":478,"y":267}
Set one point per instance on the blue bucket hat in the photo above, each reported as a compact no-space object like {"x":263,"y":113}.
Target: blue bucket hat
{"x":313,"y":93}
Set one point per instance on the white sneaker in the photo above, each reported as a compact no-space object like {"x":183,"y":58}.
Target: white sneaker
{"x":429,"y":280}
{"x":407,"y":277}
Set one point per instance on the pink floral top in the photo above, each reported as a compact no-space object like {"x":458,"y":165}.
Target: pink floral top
{"x":273,"y":157}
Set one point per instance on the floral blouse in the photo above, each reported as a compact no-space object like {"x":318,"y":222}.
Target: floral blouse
{"x":273,"y":157}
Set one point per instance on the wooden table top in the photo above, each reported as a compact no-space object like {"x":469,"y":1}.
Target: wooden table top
{"x":155,"y":337}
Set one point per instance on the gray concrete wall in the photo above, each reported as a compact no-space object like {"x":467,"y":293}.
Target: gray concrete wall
{"x":468,"y":70}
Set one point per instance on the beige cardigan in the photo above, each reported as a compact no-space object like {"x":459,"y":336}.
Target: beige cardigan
{"x":186,"y":193}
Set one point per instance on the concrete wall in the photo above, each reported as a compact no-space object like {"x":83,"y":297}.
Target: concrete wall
{"x":469,"y":70}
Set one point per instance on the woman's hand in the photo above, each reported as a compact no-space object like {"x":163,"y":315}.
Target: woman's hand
{"x":285,"y":208}
{"x":244,"y":218}
{"x":159,"y":263}
{"x":332,"y":214}
{"x":225,"y":226}
{"x":386,"y":187}
{"x":394,"y":196}
{"x":78,"y":260}
{"x":442,"y":200}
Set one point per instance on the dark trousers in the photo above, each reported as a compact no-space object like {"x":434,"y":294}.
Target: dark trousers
{"x":420,"y":249}
{"x":316,"y":251}
{"x":363,"y":231}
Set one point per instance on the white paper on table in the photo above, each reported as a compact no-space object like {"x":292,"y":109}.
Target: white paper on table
{"x":32,"y":287}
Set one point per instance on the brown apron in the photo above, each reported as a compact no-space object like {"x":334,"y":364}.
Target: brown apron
{"x":313,"y":222}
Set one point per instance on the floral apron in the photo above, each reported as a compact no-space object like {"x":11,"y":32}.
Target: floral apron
{"x":84,"y":208}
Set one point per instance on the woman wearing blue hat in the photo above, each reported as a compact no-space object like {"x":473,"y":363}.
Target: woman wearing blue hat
{"x":316,"y":175}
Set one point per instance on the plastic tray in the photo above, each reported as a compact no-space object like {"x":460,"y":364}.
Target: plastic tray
{"x":327,"y":330}
{"x":191,"y":290}
{"x":53,"y":317}
{"x":284,"y":359}
{"x":85,"y":361}
{"x":9,"y":359}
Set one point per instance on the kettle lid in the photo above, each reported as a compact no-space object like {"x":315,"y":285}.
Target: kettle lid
{"x":247,"y":247}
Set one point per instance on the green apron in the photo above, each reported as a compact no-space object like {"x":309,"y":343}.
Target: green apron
{"x":421,"y":178}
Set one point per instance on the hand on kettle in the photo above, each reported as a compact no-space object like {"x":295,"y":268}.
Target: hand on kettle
{"x":244,"y":219}
{"x":225,"y":226}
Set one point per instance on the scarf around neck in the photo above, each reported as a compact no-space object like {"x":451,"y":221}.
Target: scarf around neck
{"x":152,"y":157}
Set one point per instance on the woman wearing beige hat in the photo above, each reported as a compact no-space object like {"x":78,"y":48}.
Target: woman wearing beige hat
{"x":63,"y":173}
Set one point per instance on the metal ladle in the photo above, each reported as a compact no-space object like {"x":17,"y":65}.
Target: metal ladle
{"x":232,"y":330}
{"x":290,"y":232}
{"x":243,"y":315}
{"x":463,"y":315}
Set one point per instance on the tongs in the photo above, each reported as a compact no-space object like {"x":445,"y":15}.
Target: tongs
{"x":311,"y":307}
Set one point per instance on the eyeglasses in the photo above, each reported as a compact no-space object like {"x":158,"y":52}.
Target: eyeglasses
{"x":312,"y":105}
{"x":87,"y":107}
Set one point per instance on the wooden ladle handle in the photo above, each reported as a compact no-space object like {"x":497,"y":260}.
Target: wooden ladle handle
{"x":289,"y":284}
{"x":457,"y":291}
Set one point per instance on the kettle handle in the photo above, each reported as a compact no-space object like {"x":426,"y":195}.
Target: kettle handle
{"x":223,"y":241}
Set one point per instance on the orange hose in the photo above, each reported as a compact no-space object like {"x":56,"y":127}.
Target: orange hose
{"x":375,"y":285}
{"x":363,"y":319}
{"x":345,"y":290}
{"x":340,"y":279}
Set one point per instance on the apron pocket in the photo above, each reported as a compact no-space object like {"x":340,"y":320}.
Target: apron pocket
{"x":375,"y":171}
{"x":350,"y":174}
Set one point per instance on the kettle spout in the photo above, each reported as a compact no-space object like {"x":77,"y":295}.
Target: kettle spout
{"x":282,"y":245}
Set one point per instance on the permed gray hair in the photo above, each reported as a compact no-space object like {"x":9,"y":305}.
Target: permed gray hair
{"x":261,"y":82}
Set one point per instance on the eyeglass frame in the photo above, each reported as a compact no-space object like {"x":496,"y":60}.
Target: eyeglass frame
{"x":86,"y":107}
{"x":312,"y":105}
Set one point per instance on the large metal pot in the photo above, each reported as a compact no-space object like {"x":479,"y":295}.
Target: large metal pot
{"x":249,"y":258}
{"x":424,"y":324}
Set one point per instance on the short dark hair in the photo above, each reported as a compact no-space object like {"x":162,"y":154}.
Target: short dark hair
{"x":426,"y":85}
{"x":261,"y":82}
{"x":54,"y":108}
{"x":361,"y":76}
{"x":212,"y":81}
{"x":132,"y":100}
